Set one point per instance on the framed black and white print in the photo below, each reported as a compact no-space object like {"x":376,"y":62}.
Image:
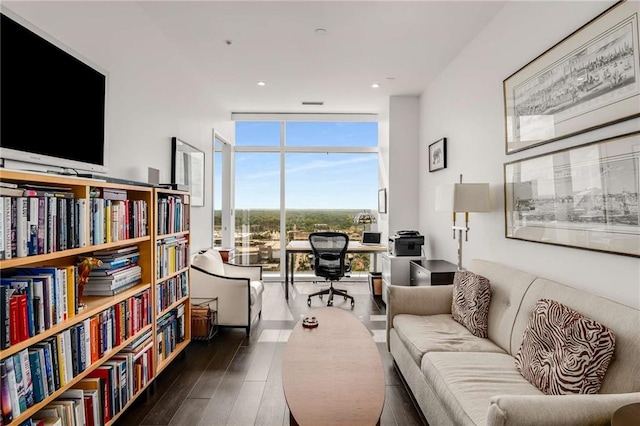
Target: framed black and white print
{"x":584,"y":197}
{"x":588,"y":80}
{"x":382,"y":200}
{"x":438,"y":155}
{"x":187,"y":169}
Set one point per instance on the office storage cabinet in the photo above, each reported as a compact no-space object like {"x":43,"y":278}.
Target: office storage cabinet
{"x":395,"y":271}
{"x":431,"y":272}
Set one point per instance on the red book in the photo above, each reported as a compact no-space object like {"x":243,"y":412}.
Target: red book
{"x":105,"y":375}
{"x":117,"y":325}
{"x":88,"y":411}
{"x":14,"y":323}
{"x":93,"y":326}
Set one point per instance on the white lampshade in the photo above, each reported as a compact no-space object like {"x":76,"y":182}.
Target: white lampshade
{"x":463,"y":197}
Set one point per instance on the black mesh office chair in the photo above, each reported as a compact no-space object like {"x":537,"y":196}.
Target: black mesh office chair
{"x":329,"y":261}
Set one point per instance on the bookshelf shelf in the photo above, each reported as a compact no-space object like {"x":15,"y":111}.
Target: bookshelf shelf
{"x":169,"y":359}
{"x":139,"y":216}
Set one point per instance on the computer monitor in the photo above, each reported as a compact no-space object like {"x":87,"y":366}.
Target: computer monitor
{"x":371,"y":238}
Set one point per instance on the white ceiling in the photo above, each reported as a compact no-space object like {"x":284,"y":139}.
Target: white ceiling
{"x":401,"y":45}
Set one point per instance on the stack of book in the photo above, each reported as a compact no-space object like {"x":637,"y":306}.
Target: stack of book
{"x":118,"y":272}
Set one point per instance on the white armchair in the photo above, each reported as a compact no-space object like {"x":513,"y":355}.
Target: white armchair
{"x":238,"y":288}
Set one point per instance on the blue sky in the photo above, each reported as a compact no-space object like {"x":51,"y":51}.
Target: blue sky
{"x":313,"y":180}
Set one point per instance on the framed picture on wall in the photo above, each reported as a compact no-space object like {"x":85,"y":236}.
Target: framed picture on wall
{"x":382,"y":200}
{"x":584,"y":197}
{"x":438,"y":155}
{"x":586,"y":81}
{"x":187,"y":169}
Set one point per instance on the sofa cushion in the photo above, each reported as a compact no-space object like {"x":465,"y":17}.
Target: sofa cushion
{"x":256,"y":290}
{"x":209,"y":262}
{"x":430,"y":333}
{"x":471,"y":298}
{"x":564,"y":352}
{"x":464,"y":382}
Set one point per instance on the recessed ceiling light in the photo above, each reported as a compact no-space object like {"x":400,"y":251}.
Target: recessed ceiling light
{"x":375,"y":85}
{"x":261,"y":83}
{"x":320,"y":32}
{"x":391,"y":78}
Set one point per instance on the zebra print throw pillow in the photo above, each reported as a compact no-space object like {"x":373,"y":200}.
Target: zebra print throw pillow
{"x":471,"y":297}
{"x":563,"y":352}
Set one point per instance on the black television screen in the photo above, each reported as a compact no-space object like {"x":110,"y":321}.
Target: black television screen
{"x":52,"y":107}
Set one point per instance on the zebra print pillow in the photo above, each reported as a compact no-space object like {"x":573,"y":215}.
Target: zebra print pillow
{"x":471,"y":297}
{"x":563,"y":352}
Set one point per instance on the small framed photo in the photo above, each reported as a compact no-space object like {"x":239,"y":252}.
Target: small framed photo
{"x":438,"y":155}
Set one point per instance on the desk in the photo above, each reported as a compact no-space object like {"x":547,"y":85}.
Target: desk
{"x":303,"y":246}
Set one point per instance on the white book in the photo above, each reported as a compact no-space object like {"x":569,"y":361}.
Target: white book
{"x":26,"y":377}
{"x":82,"y":222}
{"x":87,"y":341}
{"x":22,"y":227}
{"x":61,"y":295}
{"x":77,"y":396}
{"x":13,"y":386}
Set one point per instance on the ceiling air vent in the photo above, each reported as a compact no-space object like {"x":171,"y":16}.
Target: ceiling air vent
{"x":313,"y":103}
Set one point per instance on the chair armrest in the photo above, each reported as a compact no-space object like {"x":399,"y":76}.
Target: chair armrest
{"x":421,"y":300}
{"x":253,"y":272}
{"x":558,"y":410}
{"x":234,"y":295}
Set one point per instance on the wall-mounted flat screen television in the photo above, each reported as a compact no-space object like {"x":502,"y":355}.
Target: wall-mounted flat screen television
{"x":53,"y":101}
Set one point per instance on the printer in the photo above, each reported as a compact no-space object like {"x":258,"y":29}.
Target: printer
{"x":406,"y":243}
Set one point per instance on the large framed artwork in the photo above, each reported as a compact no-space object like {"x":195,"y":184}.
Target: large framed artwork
{"x":584,"y":197}
{"x":187,"y":169}
{"x":588,"y":80}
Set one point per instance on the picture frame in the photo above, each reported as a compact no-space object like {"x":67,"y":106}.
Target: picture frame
{"x":187,"y":169}
{"x":382,"y":200}
{"x":588,"y":80}
{"x":438,"y":155}
{"x":583,"y":197}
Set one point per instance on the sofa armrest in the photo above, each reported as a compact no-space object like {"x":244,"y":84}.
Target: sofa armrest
{"x":422,"y":300}
{"x":253,"y":272}
{"x":558,"y":410}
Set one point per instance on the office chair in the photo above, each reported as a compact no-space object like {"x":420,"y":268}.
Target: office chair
{"x":329,"y":261}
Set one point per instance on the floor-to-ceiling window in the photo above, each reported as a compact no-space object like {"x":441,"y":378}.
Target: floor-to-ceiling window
{"x":296,"y":177}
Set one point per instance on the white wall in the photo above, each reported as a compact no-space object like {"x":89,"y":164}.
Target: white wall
{"x":465,"y":104}
{"x":153,"y":94}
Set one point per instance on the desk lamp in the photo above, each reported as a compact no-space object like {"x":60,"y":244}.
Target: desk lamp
{"x":462,"y":197}
{"x":364,"y":218}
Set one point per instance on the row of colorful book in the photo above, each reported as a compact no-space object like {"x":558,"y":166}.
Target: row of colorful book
{"x":41,"y":369}
{"x":173,"y":216}
{"x":170,"y":332}
{"x":171,"y":290}
{"x":33,"y":299}
{"x":31,"y":225}
{"x":172,"y":254}
{"x":93,"y":401}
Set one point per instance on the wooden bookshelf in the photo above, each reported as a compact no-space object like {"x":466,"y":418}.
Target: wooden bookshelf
{"x":95,"y":305}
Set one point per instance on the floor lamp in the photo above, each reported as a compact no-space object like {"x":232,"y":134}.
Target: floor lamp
{"x":462,"y":198}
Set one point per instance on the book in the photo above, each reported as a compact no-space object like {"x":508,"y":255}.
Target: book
{"x":7,"y":410}
{"x":40,"y":390}
{"x":95,"y":387}
{"x":53,"y":341}
{"x":47,"y":364}
{"x":22,"y":227}
{"x":5,"y":332}
{"x":13,"y":386}
{"x":38,"y":283}
{"x":23,"y":286}
{"x":26,"y":376}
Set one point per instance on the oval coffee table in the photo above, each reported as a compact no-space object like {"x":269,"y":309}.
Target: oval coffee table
{"x":332,"y":374}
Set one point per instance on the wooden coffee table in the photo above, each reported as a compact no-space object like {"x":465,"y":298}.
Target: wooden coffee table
{"x":332,"y":374}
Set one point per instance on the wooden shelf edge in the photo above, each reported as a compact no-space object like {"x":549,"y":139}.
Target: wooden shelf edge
{"x":100,"y":303}
{"x":174,"y":274}
{"x":171,"y":306}
{"x":165,"y":362}
{"x":40,"y":405}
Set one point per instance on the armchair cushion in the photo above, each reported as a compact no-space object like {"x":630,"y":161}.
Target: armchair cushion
{"x":256,"y":291}
{"x":210,"y":261}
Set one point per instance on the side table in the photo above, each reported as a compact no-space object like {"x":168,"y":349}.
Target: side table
{"x":431,"y":272}
{"x":627,"y":415}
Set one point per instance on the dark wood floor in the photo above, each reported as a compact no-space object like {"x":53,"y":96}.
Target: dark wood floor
{"x":236,"y":380}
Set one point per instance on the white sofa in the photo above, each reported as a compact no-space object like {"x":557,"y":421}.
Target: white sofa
{"x":238,"y":288}
{"x":459,"y":379}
